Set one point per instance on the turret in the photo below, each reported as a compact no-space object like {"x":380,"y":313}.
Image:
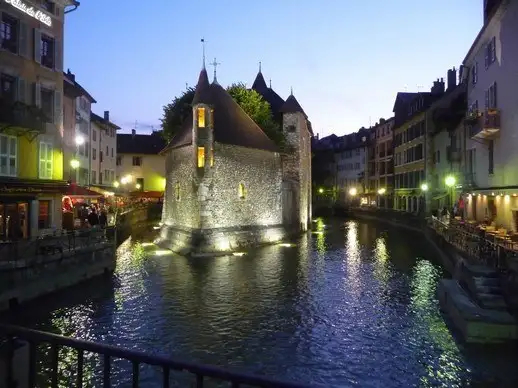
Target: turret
{"x":202,"y":124}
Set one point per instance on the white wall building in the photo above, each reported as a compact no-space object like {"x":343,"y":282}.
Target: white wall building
{"x":490,"y":68}
{"x":83,"y":109}
{"x":103,"y":155}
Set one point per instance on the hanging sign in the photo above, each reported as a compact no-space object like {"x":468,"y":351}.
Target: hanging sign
{"x":31,"y":11}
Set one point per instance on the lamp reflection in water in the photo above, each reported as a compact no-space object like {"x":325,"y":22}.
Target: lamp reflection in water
{"x":352,"y":259}
{"x":381,"y":258}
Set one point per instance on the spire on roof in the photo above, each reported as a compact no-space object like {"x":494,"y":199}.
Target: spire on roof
{"x":215,"y":64}
{"x":201,"y":87}
{"x":203,"y":47}
{"x":292,"y":105}
{"x":270,"y":83}
{"x":259,"y":84}
{"x":291,"y":90}
{"x":259,"y":66}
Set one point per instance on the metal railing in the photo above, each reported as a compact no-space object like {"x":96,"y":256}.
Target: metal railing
{"x":18,"y":337}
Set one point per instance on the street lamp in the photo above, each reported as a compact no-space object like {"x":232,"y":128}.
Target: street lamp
{"x":74,"y":163}
{"x":80,"y":140}
{"x":321,"y":190}
{"x":116,"y":184}
{"x":424,"y":186}
{"x":450,"y":183}
{"x":382,"y":191}
{"x":353,"y":191}
{"x":137,"y":186}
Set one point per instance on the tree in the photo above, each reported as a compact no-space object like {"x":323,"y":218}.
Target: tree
{"x":175,"y":113}
{"x":252,"y":103}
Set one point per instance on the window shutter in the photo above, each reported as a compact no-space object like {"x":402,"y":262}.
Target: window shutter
{"x":37,"y":45}
{"x":486,"y":50}
{"x":42,"y":158}
{"x":487,"y":99}
{"x":58,"y":55}
{"x":58,"y":109}
{"x":49,"y":160}
{"x":37,"y":94}
{"x":21,"y":90}
{"x":495,"y":99}
{"x":23,"y":46}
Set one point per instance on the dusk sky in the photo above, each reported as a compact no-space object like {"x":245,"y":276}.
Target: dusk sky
{"x":345,"y":59}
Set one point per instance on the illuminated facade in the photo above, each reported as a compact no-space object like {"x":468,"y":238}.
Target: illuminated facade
{"x":491,"y":158}
{"x":103,"y":153}
{"x":227,"y":184}
{"x":31,"y":117}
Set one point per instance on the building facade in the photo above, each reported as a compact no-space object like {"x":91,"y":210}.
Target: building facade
{"x":491,"y":124}
{"x":227,"y":184}
{"x":83,"y":138}
{"x":103,"y":154}
{"x":31,"y":121}
{"x":139,"y":164}
{"x":381,"y":164}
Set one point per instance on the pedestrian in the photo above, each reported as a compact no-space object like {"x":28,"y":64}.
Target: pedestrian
{"x":103,"y":219}
{"x":93,"y":218}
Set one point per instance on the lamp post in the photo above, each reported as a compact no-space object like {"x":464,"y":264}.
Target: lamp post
{"x":450,"y":183}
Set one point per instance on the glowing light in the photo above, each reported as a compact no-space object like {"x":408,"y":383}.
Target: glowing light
{"x":156,"y":227}
{"x":353,"y":191}
{"x":147,"y":244}
{"x":492,"y":194}
{"x":138,"y":186}
{"x":321,"y":190}
{"x":450,"y":181}
{"x":162,"y":252}
{"x":80,"y":140}
{"x":238,"y":254}
{"x":74,"y":163}
{"x":507,"y":198}
{"x":287,"y":245}
{"x":317,"y":232}
{"x":31,"y":11}
{"x":382,"y":191}
{"x":124,"y":180}
{"x":424,"y":187}
{"x":116,"y":184}
{"x":514,"y":195}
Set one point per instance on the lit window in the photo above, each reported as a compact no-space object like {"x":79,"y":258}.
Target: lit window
{"x":177,"y":191}
{"x":212,"y":157}
{"x":241,"y":191}
{"x":201,"y":156}
{"x":46,"y":156}
{"x":201,"y":117}
{"x":8,"y":153}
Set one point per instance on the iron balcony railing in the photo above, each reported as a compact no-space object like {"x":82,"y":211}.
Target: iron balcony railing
{"x":18,"y":337}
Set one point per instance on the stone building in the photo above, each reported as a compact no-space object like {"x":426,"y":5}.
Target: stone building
{"x":228,"y":186}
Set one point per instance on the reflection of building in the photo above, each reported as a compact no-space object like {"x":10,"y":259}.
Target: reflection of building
{"x":139,"y":162}
{"x":490,"y":71}
{"x":409,"y":147}
{"x":227,"y":183}
{"x":31,"y":122}
{"x":103,"y":154}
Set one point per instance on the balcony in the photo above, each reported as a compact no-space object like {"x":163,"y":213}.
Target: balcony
{"x":484,"y":126}
{"x":21,"y":119}
{"x":453,"y":155}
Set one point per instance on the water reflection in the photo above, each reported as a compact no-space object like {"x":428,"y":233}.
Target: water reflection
{"x":352,"y":304}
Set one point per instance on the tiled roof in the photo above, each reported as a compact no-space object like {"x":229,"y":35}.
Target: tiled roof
{"x":292,"y":106}
{"x":140,"y":144}
{"x":101,"y":120}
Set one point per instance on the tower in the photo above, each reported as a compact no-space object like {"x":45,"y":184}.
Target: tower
{"x":296,"y":165}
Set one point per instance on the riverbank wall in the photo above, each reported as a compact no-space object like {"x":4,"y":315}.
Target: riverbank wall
{"x":40,"y":271}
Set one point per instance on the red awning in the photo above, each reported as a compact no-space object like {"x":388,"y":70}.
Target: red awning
{"x":147,"y":194}
{"x":77,"y":191}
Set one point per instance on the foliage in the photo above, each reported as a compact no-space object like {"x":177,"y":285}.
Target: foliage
{"x":175,"y":113}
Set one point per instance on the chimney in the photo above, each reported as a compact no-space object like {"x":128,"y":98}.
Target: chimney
{"x":382,"y":121}
{"x":133,"y":132}
{"x":452,"y":78}
{"x":107,"y":115}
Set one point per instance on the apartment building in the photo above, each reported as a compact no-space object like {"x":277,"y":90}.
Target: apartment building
{"x":409,"y":147}
{"x":31,"y":121}
{"x":83,"y":138}
{"x":139,"y":165}
{"x":492,"y":122}
{"x":103,"y":153}
{"x":381,"y":164}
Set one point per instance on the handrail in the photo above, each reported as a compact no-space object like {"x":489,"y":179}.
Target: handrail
{"x":35,"y":337}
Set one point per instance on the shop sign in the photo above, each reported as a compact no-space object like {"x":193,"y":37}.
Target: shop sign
{"x":31,"y":11}
{"x":28,"y":190}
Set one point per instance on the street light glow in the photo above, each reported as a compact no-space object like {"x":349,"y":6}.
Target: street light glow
{"x":424,"y":186}
{"x":80,"y":140}
{"x":137,"y":186}
{"x":116,"y":184}
{"x":450,"y":181}
{"x":321,"y":190}
{"x":382,"y":191}
{"x":353,"y":191}
{"x":74,"y":163}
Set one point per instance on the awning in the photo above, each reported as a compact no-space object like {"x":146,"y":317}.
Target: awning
{"x":82,"y":192}
{"x":147,"y":194}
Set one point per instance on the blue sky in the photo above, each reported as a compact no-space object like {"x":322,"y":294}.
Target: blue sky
{"x":345,"y":59}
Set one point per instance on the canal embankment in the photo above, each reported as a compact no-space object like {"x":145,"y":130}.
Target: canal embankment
{"x":479,"y":299}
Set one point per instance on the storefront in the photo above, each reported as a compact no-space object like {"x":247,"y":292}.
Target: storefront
{"x":28,"y":207}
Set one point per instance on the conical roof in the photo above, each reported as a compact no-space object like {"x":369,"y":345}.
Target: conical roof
{"x":292,"y":106}
{"x":200,"y":95}
{"x":231,"y":123}
{"x":259,"y":84}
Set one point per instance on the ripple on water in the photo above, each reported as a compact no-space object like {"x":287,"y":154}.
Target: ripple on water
{"x":354,"y":305}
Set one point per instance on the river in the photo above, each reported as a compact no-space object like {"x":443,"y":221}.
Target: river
{"x":351,"y":303}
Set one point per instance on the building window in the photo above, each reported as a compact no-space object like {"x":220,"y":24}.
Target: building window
{"x":112,"y":152}
{"x":241,"y":191}
{"x":491,"y":147}
{"x":47,"y":104}
{"x":201,"y":117}
{"x":8,"y":87}
{"x":46,"y":154}
{"x":48,"y":5}
{"x":212,"y":157}
{"x":137,"y":160}
{"x":9,"y":33}
{"x":47,"y":51}
{"x":177,"y":191}
{"x":8,"y":151}
{"x":94,"y":154}
{"x":491,"y":52}
{"x":44,"y":215}
{"x":119,"y":160}
{"x":491,"y":100}
{"x":94,"y":135}
{"x":474,"y":73}
{"x":201,"y":156}
{"x":94,"y":177}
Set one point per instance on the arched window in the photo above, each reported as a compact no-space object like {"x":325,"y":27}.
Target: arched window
{"x":241,"y":191}
{"x":177,"y":191}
